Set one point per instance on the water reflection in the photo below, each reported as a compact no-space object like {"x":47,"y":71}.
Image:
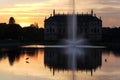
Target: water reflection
{"x":57,"y":60}
{"x":15,"y":54}
{"x":53,"y":62}
{"x":114,"y":51}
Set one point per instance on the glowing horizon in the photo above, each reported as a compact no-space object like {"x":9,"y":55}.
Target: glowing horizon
{"x":28,"y":12}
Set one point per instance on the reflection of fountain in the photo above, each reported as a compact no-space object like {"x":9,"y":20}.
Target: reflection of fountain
{"x":57,"y":60}
{"x":72,"y":41}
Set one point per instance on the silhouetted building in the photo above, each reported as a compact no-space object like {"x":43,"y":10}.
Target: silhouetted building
{"x":11,"y":20}
{"x":88,"y":26}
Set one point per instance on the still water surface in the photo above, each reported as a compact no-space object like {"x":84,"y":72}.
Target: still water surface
{"x":53,"y":64}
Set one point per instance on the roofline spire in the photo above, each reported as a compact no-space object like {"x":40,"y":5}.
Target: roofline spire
{"x":53,"y":12}
{"x":92,"y":12}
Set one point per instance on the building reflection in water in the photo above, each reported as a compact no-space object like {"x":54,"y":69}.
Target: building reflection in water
{"x":56,"y":60}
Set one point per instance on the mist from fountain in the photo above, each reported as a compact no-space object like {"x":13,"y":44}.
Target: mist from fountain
{"x":72,"y":29}
{"x":75,"y":46}
{"x":72,"y":41}
{"x":72,"y":24}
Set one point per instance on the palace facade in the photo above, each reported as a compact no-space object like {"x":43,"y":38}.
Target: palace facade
{"x":89,"y":26}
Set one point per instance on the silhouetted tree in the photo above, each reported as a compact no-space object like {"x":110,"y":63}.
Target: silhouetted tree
{"x":111,"y":34}
{"x":33,"y":34}
{"x":3,"y":30}
{"x":14,"y":31}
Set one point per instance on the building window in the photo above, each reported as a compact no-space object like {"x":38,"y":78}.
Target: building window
{"x":94,"y":30}
{"x":85,"y":30}
{"x":53,"y":30}
{"x":47,"y":30}
{"x":98,"y":30}
{"x":59,"y":30}
{"x":63,"y":30}
{"x":80,"y":30}
{"x":91,"y":30}
{"x":50,"y":30}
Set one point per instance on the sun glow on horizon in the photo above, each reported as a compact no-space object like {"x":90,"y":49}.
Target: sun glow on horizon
{"x":24,"y":24}
{"x":28,"y":24}
{"x":27,"y":12}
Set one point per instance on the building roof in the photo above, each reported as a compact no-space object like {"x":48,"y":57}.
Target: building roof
{"x":65,"y":17}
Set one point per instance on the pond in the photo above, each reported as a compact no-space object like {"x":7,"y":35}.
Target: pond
{"x":44,"y":63}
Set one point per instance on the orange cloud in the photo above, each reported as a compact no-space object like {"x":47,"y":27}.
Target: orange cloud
{"x":35,"y":11}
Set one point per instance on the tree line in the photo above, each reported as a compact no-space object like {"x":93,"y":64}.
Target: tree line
{"x":16,"y":32}
{"x":35,"y":34}
{"x":111,"y":34}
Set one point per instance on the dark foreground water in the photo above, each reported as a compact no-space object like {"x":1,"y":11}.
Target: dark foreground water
{"x":55,"y":64}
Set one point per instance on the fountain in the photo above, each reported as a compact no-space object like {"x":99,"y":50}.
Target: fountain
{"x":72,"y":40}
{"x":74,"y":46}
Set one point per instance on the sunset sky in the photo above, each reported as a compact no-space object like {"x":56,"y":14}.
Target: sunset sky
{"x":27,"y":12}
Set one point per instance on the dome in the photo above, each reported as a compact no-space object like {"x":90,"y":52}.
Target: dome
{"x":11,"y":20}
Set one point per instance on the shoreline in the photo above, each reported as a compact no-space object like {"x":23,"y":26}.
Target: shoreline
{"x":19,"y":44}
